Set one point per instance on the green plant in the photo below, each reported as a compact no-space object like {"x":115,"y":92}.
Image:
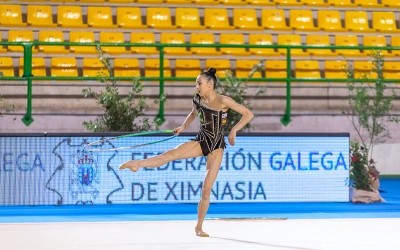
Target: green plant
{"x":370,"y":105}
{"x":359,"y":174}
{"x":237,"y":89}
{"x":121,"y":113}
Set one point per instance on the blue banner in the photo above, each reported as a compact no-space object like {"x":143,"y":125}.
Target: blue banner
{"x":56,"y":170}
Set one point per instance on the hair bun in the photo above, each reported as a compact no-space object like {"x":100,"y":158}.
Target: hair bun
{"x":211,"y":71}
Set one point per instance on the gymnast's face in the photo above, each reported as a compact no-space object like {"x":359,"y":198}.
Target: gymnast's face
{"x":202,"y":85}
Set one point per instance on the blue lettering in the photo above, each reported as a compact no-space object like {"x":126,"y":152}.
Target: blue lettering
{"x":189,"y":162}
{"x":150,"y":184}
{"x":7,"y":162}
{"x":326,"y":164}
{"x":24,"y":165}
{"x":252,"y":159}
{"x":341,"y":162}
{"x":312,"y":160}
{"x":192,"y":190}
{"x":175,"y":163}
{"x":227,"y":191}
{"x":171,"y":191}
{"x":272,"y":162}
{"x":289,"y":162}
{"x":240,"y":190}
{"x":140,"y":194}
{"x":259,"y":191}
{"x":37,"y":163}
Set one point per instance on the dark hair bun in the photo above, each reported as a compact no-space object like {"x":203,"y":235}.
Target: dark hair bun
{"x":211,"y":71}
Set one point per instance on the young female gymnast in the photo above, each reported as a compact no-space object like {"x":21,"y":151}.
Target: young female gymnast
{"x":211,"y":109}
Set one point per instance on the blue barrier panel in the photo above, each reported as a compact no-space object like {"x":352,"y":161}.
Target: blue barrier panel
{"x":54,"y":169}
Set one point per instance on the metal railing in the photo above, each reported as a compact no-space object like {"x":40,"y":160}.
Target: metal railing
{"x":286,"y":118}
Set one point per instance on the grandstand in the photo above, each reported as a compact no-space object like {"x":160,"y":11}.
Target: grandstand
{"x":263,"y":22}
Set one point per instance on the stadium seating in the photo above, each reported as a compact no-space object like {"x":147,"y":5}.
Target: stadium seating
{"x":52,"y":36}
{"x":262,"y":39}
{"x":384,"y":21}
{"x":64,"y":66}
{"x":70,"y":16}
{"x":357,"y":21}
{"x":82,"y":37}
{"x":314,"y":2}
{"x":395,"y":42}
{"x":319,"y":40}
{"x":40,"y":15}
{"x":203,"y":38}
{"x":174,"y":38}
{"x":6,"y":66}
{"x":152,"y":68}
{"x":233,"y":39}
{"x":362,"y":69}
{"x":275,"y":69}
{"x":187,"y":67}
{"x":274,"y":19}
{"x":217,"y":19}
{"x":307,"y":69}
{"x":187,"y":18}
{"x":99,"y":17}
{"x":335,"y":69}
{"x":93,"y":67}
{"x":377,"y":41}
{"x":347,"y":40}
{"x":11,"y":15}
{"x":329,"y":20}
{"x":159,"y":18}
{"x":38,"y":66}
{"x":19,"y":36}
{"x":113,"y":37}
{"x":245,"y":19}
{"x":302,"y":20}
{"x":368,"y":3}
{"x":341,"y":3}
{"x":143,"y":38}
{"x":129,"y":17}
{"x":290,"y":39}
{"x":391,"y":3}
{"x":126,"y":67}
{"x":391,"y":70}
{"x":244,"y":67}
{"x":221,"y":65}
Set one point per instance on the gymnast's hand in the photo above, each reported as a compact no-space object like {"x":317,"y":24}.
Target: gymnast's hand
{"x":232,"y":137}
{"x":178,"y":130}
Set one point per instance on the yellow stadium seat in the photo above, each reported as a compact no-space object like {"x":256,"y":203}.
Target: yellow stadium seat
{"x":92,"y":1}
{"x":40,"y":15}
{"x":6,"y":66}
{"x":329,"y":20}
{"x":143,"y":38}
{"x":274,"y":19}
{"x":121,"y":1}
{"x":159,"y":18}
{"x":152,"y":68}
{"x":395,"y":42}
{"x":82,"y":37}
{"x":262,"y":39}
{"x":391,"y":70}
{"x":38,"y":66}
{"x":221,"y":65}
{"x":148,"y":1}
{"x":368,"y":3}
{"x":245,"y":19}
{"x":384,"y":21}
{"x":93,"y":67}
{"x":260,"y":2}
{"x":307,"y":69}
{"x":19,"y":36}
{"x":341,"y":3}
{"x":99,"y":17}
{"x":126,"y":67}
{"x":319,"y":40}
{"x":52,"y":36}
{"x":174,"y":38}
{"x":187,"y":68}
{"x":233,"y":39}
{"x":11,"y":15}
{"x":187,"y":18}
{"x":244,"y":67}
{"x":314,"y":2}
{"x":287,"y":2}
{"x":335,"y":69}
{"x":391,"y":3}
{"x":275,"y":69}
{"x":233,"y":2}
{"x":302,"y":20}
{"x":290,"y":39}
{"x":70,"y":16}
{"x":203,"y":38}
{"x":217,"y":19}
{"x":363,"y":69}
{"x":64,"y":0}
{"x":112,"y":37}
{"x":347,"y":40}
{"x":205,"y":2}
{"x":179,"y":1}
{"x":129,"y":17}
{"x":64,"y":66}
{"x":377,"y":41}
{"x":357,"y":21}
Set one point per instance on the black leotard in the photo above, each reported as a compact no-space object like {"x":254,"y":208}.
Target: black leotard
{"x":212,"y":122}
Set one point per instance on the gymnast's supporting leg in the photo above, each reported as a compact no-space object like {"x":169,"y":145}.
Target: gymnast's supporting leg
{"x":213,"y":165}
{"x":188,"y":149}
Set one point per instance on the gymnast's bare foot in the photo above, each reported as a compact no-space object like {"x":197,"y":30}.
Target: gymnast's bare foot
{"x":201,"y":233}
{"x":132,"y":165}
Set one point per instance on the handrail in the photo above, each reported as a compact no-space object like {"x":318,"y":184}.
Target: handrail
{"x":27,"y":74}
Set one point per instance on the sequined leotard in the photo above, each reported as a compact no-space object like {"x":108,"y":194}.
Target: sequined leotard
{"x":212,"y":122}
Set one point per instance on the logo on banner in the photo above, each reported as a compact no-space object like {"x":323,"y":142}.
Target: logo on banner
{"x":84,"y":175}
